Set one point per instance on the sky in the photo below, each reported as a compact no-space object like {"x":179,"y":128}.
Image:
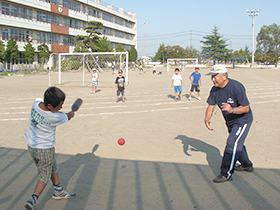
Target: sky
{"x":186,"y":22}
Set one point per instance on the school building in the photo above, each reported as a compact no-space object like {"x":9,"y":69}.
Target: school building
{"x":57,"y":22}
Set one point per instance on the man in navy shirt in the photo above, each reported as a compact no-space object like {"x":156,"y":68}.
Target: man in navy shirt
{"x":230,"y":96}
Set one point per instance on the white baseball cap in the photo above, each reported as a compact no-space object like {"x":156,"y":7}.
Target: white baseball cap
{"x":94,"y":69}
{"x":217,"y":69}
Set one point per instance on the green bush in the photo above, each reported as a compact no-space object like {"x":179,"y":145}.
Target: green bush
{"x":67,"y":65}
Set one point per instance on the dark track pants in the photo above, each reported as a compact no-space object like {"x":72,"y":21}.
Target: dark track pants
{"x":235,"y":149}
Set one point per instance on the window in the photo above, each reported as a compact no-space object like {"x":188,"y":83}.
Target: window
{"x":47,"y":18}
{"x":46,"y":37}
{"x":14,"y":11}
{"x":66,"y":22}
{"x":71,"y":5}
{"x":119,"y":21}
{"x":5,"y":34}
{"x":108,"y":31}
{"x":69,"y":40}
{"x":128,"y":24}
{"x":107,"y":17}
{"x":128,"y":36}
{"x":119,"y":34}
{"x":5,"y":8}
{"x":93,"y":12}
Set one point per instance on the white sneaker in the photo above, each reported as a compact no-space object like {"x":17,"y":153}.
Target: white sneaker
{"x":63,"y":194}
{"x":199,"y":98}
{"x":190,"y":98}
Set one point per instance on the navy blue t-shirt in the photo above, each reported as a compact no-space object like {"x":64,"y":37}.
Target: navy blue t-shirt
{"x":234,"y":94}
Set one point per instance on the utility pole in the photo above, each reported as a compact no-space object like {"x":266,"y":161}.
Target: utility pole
{"x":253,"y":13}
{"x":191,"y":40}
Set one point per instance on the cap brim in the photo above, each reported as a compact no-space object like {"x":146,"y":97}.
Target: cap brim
{"x":211,"y":73}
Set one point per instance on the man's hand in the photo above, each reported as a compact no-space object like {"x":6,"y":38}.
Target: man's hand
{"x":207,"y":124}
{"x":70,"y":115}
{"x":226,"y":107}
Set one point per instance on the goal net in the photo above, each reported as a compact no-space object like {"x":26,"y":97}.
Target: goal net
{"x":72,"y":69}
{"x":181,"y":63}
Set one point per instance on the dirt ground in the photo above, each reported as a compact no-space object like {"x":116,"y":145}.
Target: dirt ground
{"x":165,"y":141}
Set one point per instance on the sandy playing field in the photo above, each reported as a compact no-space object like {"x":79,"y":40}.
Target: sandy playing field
{"x":169,"y":159}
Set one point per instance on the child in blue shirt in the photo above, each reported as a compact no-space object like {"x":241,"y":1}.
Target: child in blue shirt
{"x":195,"y":78}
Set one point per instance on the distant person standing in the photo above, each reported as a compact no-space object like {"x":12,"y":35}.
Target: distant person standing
{"x":120,"y":86}
{"x":113,"y":69}
{"x":177,"y":84}
{"x":230,"y":96}
{"x":195,"y":78}
{"x":154,"y":70}
{"x":94,"y":76}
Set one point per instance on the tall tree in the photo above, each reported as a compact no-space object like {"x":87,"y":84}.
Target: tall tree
{"x":132,"y":56}
{"x":94,"y":30}
{"x":214,"y":46}
{"x":11,"y":51}
{"x":268,"y":41}
{"x":29,"y":52}
{"x":44,"y":52}
{"x":2,"y":52}
{"x":160,"y":54}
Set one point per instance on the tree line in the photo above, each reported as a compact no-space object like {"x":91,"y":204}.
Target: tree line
{"x":214,"y":46}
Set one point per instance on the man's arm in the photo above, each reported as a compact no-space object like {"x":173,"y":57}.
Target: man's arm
{"x":172,"y":83}
{"x":208,"y":115}
{"x":199,"y":81}
{"x":235,"y":110}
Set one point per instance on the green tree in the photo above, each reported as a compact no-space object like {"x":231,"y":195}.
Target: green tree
{"x":268,"y":41}
{"x":44,"y":52}
{"x":175,"y":52}
{"x":214,"y":46}
{"x":94,"y":30}
{"x":160,"y":54}
{"x":132,"y":56}
{"x":102,"y":45}
{"x":11,"y":51}
{"x":119,"y":48}
{"x":80,"y":47}
{"x":29,"y":52}
{"x":192,"y":52}
{"x":2,"y":52}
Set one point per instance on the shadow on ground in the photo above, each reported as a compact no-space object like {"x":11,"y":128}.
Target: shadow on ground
{"x":102,"y":183}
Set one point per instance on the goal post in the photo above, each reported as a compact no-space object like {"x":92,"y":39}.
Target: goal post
{"x":181,"y":63}
{"x":71,"y":69}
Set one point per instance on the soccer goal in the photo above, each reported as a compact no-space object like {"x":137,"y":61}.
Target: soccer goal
{"x":72,"y":69}
{"x":181,"y":63}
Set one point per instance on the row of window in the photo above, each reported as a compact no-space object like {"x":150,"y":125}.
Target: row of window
{"x":45,"y":17}
{"x":92,"y":12}
{"x":111,"y":32}
{"x":25,"y":35}
{"x":16,"y":11}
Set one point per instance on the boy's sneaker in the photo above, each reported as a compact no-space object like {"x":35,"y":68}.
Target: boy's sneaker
{"x":123,"y":100}
{"x":117,"y":101}
{"x":220,"y":179}
{"x":199,"y":98}
{"x":189,"y":98}
{"x":242,"y":168}
{"x":176,"y":99}
{"x":63,"y":194}
{"x":30,"y":204}
{"x":179,"y":98}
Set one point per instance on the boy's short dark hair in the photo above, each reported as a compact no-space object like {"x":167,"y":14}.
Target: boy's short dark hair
{"x":177,"y":69}
{"x":53,"y":96}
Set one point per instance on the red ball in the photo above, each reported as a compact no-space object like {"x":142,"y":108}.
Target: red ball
{"x":121,"y":141}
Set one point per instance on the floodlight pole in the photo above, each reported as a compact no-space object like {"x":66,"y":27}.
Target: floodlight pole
{"x":145,"y":23}
{"x":253,"y":13}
